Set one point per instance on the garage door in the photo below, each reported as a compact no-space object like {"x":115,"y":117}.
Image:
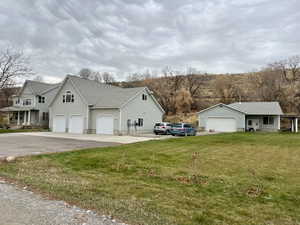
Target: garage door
{"x":59,"y":124}
{"x":76,"y":125}
{"x":105,"y":125}
{"x":221,"y":124}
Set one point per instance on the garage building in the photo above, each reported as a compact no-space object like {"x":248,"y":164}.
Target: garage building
{"x":241,"y":116}
{"x":85,"y":106}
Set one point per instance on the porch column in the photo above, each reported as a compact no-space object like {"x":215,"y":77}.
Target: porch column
{"x":24,"y":119}
{"x":8,"y":118}
{"x":296,"y":125}
{"x":292,"y":125}
{"x":29,"y":117}
{"x":18,"y":118}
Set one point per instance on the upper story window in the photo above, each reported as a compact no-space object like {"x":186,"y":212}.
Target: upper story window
{"x":27,"y":102}
{"x":41,"y":99}
{"x":68,"y":97}
{"x":17,"y":101}
{"x":144,"y":97}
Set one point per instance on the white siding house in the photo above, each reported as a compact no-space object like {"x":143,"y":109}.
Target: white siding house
{"x":84,"y":106}
{"x":241,"y":116}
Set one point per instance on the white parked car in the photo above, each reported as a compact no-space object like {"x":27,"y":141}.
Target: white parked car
{"x":162,"y":128}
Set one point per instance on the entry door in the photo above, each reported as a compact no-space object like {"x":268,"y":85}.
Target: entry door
{"x":253,"y":123}
{"x":105,"y":125}
{"x":59,"y":124}
{"x":76,"y":125}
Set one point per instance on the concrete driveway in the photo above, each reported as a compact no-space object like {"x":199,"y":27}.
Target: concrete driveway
{"x":99,"y":138}
{"x":20,"y":144}
{"x":32,"y":143}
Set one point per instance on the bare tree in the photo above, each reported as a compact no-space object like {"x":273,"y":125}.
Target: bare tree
{"x":108,"y":78}
{"x":227,"y":90}
{"x":289,"y":68}
{"x":85,"y":73}
{"x":13,"y":64}
{"x":266,"y":85}
{"x":183,"y":101}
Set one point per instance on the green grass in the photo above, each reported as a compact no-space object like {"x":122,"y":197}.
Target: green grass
{"x":5,"y":131}
{"x":221,"y":179}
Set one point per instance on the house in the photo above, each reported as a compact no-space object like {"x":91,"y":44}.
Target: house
{"x":31,"y":105}
{"x":85,"y":106}
{"x":241,"y":116}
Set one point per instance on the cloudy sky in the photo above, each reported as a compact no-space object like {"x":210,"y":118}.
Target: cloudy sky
{"x":124,"y":36}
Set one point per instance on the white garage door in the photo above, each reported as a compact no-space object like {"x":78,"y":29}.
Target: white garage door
{"x":105,"y":125}
{"x":59,"y":124}
{"x":76,"y":125}
{"x":221,"y":124}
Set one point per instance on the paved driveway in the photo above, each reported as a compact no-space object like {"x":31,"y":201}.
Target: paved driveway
{"x":20,"y":144}
{"x":124,"y":139}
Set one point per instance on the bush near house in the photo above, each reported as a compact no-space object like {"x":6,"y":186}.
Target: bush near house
{"x":228,"y":179}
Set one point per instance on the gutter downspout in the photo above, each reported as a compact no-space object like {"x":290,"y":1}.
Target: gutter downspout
{"x":120,"y":122}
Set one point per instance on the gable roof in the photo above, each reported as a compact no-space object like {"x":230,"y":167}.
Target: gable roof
{"x":221,"y":104}
{"x":258,"y":108}
{"x":99,"y":95}
{"x":37,"y":87}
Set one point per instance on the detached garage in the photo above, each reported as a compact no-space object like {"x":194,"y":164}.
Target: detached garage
{"x":241,"y":116}
{"x":221,"y":118}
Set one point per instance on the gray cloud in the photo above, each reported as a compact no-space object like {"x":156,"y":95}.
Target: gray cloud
{"x":124,"y":36}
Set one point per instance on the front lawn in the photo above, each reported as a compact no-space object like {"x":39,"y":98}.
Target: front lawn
{"x":219,"y":179}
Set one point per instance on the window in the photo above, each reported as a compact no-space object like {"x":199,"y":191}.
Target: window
{"x":144,"y":97}
{"x":17,"y":102}
{"x":268,"y":120}
{"x":249,"y":122}
{"x":140,"y":122}
{"x":177,"y":125}
{"x":68,"y":97}
{"x":27,"y":102}
{"x":45,"y":116}
{"x":41,"y":99}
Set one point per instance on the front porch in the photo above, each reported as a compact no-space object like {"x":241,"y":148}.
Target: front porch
{"x":262,"y":123}
{"x":19,"y":117}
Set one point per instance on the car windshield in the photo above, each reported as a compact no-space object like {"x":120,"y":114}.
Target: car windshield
{"x":158,"y":124}
{"x":178,"y":125}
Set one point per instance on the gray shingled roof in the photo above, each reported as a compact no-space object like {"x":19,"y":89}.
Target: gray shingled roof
{"x":258,"y":108}
{"x":103,"y":95}
{"x":39,"y":87}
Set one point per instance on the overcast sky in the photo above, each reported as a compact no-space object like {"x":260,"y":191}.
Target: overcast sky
{"x":123,"y":36}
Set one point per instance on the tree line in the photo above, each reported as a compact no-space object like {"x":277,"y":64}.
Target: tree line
{"x":184,"y":92}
